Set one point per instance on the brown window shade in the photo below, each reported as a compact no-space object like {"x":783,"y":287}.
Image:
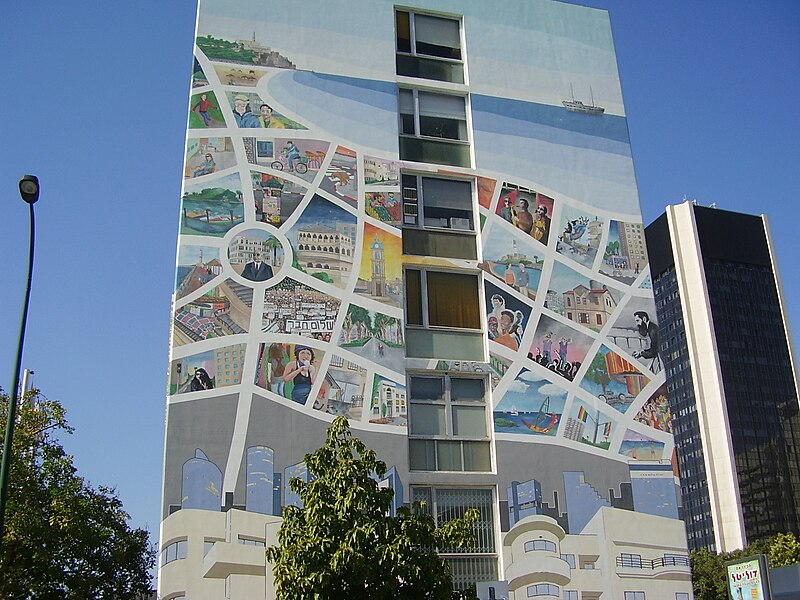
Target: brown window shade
{"x":453,"y":300}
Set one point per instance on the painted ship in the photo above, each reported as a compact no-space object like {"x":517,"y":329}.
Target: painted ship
{"x":579,"y":107}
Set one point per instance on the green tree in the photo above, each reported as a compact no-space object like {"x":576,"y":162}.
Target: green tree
{"x":784,"y":550}
{"x":708,"y":568}
{"x":343,"y":543}
{"x":598,"y":372}
{"x":708,"y":575}
{"x":64,"y":539}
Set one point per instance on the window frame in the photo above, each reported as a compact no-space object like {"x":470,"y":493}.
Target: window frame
{"x":415,"y":53}
{"x":542,"y":589}
{"x":416,"y":114}
{"x":540,"y":546}
{"x":424,"y":306}
{"x":172,"y":551}
{"x":416,"y":219}
{"x":449,"y":405}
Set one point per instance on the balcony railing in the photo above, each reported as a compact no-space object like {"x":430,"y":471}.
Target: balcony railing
{"x":637,"y":562}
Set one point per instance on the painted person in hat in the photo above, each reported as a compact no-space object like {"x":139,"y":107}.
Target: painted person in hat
{"x":242,"y":113}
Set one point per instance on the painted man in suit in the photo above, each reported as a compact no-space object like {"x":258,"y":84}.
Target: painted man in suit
{"x":257,"y":269}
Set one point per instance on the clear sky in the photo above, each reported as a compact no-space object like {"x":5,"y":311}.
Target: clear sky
{"x":94,"y":102}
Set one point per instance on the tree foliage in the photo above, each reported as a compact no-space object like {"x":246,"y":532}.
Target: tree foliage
{"x":708,"y":568}
{"x":343,"y":544}
{"x":64,"y":539}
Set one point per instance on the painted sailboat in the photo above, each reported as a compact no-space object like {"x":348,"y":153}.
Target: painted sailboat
{"x":544,"y":420}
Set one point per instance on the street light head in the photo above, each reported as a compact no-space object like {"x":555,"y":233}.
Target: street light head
{"x":29,"y":188}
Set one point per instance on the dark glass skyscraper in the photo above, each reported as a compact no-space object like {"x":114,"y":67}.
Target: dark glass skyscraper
{"x":730,"y":372}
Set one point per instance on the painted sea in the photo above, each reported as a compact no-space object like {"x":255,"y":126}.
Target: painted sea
{"x":521,"y":423}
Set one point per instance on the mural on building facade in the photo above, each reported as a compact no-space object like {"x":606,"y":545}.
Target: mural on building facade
{"x":342,"y":390}
{"x":384,"y":206}
{"x":197,"y":265}
{"x":582,"y":300}
{"x":205,"y":156}
{"x":374,"y":336}
{"x":531,"y":405}
{"x":207,"y":370}
{"x":276,"y":198}
{"x":289,"y":370}
{"x":294,"y":308}
{"x":388,"y":402}
{"x":299,"y":158}
{"x":559,"y":348}
{"x":341,"y":176}
{"x":508,"y":255}
{"x":205,"y":112}
{"x":381,"y":275}
{"x":299,"y":271}
{"x":579,"y":235}
{"x":527,"y":210}
{"x":212,"y":207}
{"x":625,"y":255}
{"x":507,"y":317}
{"x":220,"y":311}
{"x":255,"y":254}
{"x":613,"y":380}
{"x":638,"y":446}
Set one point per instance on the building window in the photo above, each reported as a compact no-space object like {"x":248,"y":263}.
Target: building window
{"x":448,"y":428}
{"x":252,"y":542}
{"x":430,"y":114}
{"x":570,"y":560}
{"x":543,"y":589}
{"x":442,"y":299}
{"x":173,"y":551}
{"x":535,"y":545}
{"x":443,"y":211}
{"x":433,"y":128}
{"x":437,"y":202}
{"x":634,"y":596}
{"x":468,"y":565}
{"x":681,"y":595}
{"x":429,"y":47}
{"x":570,"y":594}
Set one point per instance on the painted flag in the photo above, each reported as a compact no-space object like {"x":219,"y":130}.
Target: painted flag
{"x":582,"y":414}
{"x":607,"y":429}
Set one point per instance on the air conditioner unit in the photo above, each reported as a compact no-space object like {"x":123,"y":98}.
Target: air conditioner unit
{"x":457,"y":223}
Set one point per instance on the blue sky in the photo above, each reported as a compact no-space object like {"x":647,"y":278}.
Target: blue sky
{"x":94,"y":103}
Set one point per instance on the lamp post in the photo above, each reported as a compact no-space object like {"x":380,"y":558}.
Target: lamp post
{"x":29,"y":191}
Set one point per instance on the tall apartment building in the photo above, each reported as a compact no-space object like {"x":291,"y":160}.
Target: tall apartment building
{"x":731,"y":376}
{"x":427,"y":185}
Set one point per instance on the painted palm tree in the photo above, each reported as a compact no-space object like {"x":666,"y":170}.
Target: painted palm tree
{"x":272,"y":244}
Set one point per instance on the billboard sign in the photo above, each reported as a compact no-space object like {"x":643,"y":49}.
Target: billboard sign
{"x":748,"y":578}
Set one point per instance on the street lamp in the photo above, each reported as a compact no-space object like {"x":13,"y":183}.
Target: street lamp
{"x":29,"y":191}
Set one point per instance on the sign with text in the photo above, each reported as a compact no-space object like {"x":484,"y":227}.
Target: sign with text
{"x":748,"y":578}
